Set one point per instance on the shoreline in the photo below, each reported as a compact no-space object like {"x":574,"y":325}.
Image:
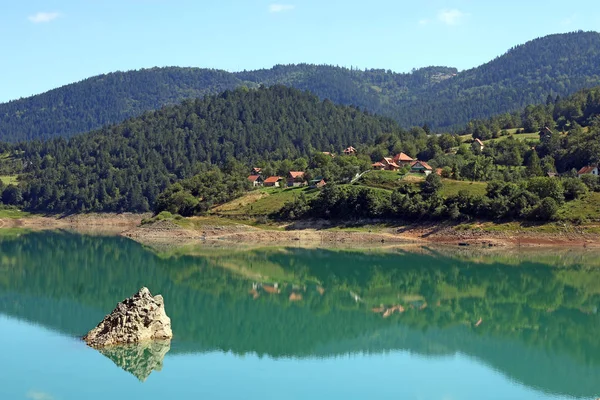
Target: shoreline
{"x":207,"y":230}
{"x":315,"y":233}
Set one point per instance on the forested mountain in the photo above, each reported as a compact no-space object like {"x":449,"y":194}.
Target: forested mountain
{"x":106,"y":99}
{"x":554,"y":65}
{"x":126,"y":166}
{"x":438,"y":96}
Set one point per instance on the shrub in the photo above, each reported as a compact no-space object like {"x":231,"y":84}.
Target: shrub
{"x":574,"y":188}
{"x":545,"y":211}
{"x":547,"y":187}
{"x":591,"y":181}
{"x":446,"y":172}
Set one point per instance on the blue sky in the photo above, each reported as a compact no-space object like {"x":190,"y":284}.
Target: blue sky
{"x":49,"y":43}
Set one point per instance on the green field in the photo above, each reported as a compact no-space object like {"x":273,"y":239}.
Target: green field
{"x":521,"y":136}
{"x":260,"y":202}
{"x":12,"y":213}
{"x":585,"y":209}
{"x":451,"y":187}
{"x":381,"y":179}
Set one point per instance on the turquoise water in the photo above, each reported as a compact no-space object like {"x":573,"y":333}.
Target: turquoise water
{"x":476,"y":325}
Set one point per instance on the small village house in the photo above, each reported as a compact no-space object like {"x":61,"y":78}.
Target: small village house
{"x":256,"y":180}
{"x":389,"y":164}
{"x":296,"y":179}
{"x":403,"y":159}
{"x":256,"y":171}
{"x":273,"y":181}
{"x":379,"y":166}
{"x":421,"y":167}
{"x":478,"y":144}
{"x":588,"y":170}
{"x":327,"y":153}
{"x":350,"y":151}
{"x":318,"y":183}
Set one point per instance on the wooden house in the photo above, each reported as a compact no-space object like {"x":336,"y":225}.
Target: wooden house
{"x":296,"y":179}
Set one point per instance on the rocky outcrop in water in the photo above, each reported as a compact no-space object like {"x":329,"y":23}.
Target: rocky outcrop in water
{"x":139,"y":318}
{"x":139,"y":359}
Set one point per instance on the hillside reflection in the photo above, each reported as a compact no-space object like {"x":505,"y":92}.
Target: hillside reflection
{"x":532,"y":316}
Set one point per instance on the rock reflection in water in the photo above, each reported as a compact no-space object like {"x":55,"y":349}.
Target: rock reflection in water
{"x":139,"y":359}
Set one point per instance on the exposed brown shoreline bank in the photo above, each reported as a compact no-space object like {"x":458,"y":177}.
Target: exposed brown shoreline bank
{"x":306,"y":233}
{"x":320,"y":233}
{"x":85,"y":223}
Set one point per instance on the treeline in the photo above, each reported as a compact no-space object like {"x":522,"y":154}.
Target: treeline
{"x":125,"y":167}
{"x":439,"y":97}
{"x":582,"y":108}
{"x":535,"y":199}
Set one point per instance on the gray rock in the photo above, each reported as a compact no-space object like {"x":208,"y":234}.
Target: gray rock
{"x":137,"y":319}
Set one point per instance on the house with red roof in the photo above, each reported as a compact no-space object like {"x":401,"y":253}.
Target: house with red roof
{"x":389,"y":164}
{"x":256,"y":171}
{"x":588,"y":170}
{"x":317,"y":183}
{"x":296,"y":179}
{"x":273,"y":181}
{"x":403,"y":159}
{"x":420,"y":167}
{"x":256,"y":180}
{"x":478,"y":144}
{"x":379,"y":166}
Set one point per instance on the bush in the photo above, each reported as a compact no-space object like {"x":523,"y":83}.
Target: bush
{"x":547,"y":187}
{"x":446,"y":172}
{"x":12,"y":195}
{"x":431,"y":185}
{"x":574,"y":188}
{"x":591,"y":181}
{"x":545,"y":211}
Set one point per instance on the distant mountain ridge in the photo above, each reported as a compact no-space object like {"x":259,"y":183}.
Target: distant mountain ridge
{"x":440,"y":97}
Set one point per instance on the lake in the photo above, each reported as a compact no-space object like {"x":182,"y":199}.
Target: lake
{"x":414,"y":323}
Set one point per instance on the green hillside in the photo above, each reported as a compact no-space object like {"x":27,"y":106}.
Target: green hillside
{"x":125,"y":167}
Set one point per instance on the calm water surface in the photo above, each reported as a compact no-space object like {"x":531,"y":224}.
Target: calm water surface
{"x":475,"y":324}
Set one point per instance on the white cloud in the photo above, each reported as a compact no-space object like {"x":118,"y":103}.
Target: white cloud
{"x":34,"y":395}
{"x":43,"y":17}
{"x":277,"y":8}
{"x":451,"y":17}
